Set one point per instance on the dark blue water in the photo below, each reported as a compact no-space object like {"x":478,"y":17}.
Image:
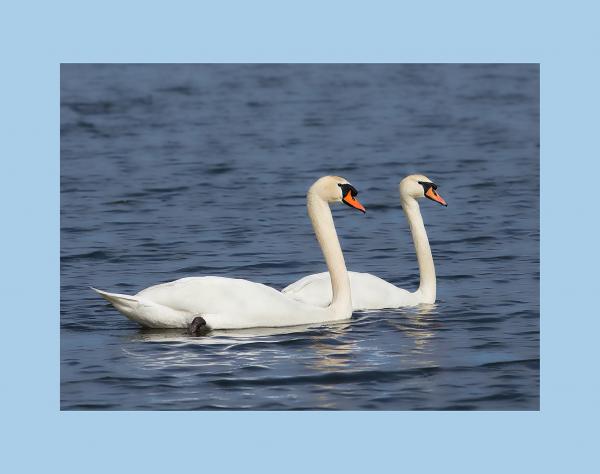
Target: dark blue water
{"x":178,"y":170}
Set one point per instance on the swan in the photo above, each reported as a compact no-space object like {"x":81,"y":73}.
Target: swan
{"x":369,"y":291}
{"x":204,"y":303}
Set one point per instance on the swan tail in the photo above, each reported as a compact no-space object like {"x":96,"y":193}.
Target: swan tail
{"x":145,"y":312}
{"x":123,"y":303}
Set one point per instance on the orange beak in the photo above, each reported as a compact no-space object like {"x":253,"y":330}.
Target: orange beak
{"x":434,"y":196}
{"x":353,"y":202}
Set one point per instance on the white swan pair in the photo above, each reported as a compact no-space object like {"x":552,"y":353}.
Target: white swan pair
{"x":204,"y":303}
{"x":369,"y":291}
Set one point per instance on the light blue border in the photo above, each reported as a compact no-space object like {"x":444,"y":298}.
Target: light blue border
{"x":35,"y":38}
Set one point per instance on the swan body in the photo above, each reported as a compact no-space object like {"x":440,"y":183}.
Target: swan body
{"x":229,"y":303}
{"x":370,"y":292}
{"x":224,"y":303}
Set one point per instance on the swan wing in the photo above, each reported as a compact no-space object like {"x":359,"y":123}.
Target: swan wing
{"x":312,"y":289}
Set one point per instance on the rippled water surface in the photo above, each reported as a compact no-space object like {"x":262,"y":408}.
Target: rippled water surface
{"x":177,"y":170}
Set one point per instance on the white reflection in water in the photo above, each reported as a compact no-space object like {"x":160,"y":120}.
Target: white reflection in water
{"x":332,"y":350}
{"x":176,"y":348}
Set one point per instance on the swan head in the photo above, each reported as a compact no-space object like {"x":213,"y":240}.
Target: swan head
{"x":418,"y":186}
{"x":336,"y":189}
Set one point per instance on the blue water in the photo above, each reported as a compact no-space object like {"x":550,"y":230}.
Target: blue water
{"x":178,"y":170}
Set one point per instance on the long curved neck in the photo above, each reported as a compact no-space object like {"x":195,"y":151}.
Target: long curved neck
{"x":427,"y":284}
{"x":322,"y":221}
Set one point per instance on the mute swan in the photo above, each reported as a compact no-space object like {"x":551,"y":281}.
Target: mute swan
{"x":203,"y":303}
{"x":369,"y":291}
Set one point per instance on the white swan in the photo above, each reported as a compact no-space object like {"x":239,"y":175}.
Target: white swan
{"x":369,"y":291}
{"x":228,"y":303}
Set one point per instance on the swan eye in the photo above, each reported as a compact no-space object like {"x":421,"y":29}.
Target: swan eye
{"x":427,"y":184}
{"x":348,"y":188}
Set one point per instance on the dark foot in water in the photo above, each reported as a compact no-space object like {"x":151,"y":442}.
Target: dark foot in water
{"x":198,"y":327}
